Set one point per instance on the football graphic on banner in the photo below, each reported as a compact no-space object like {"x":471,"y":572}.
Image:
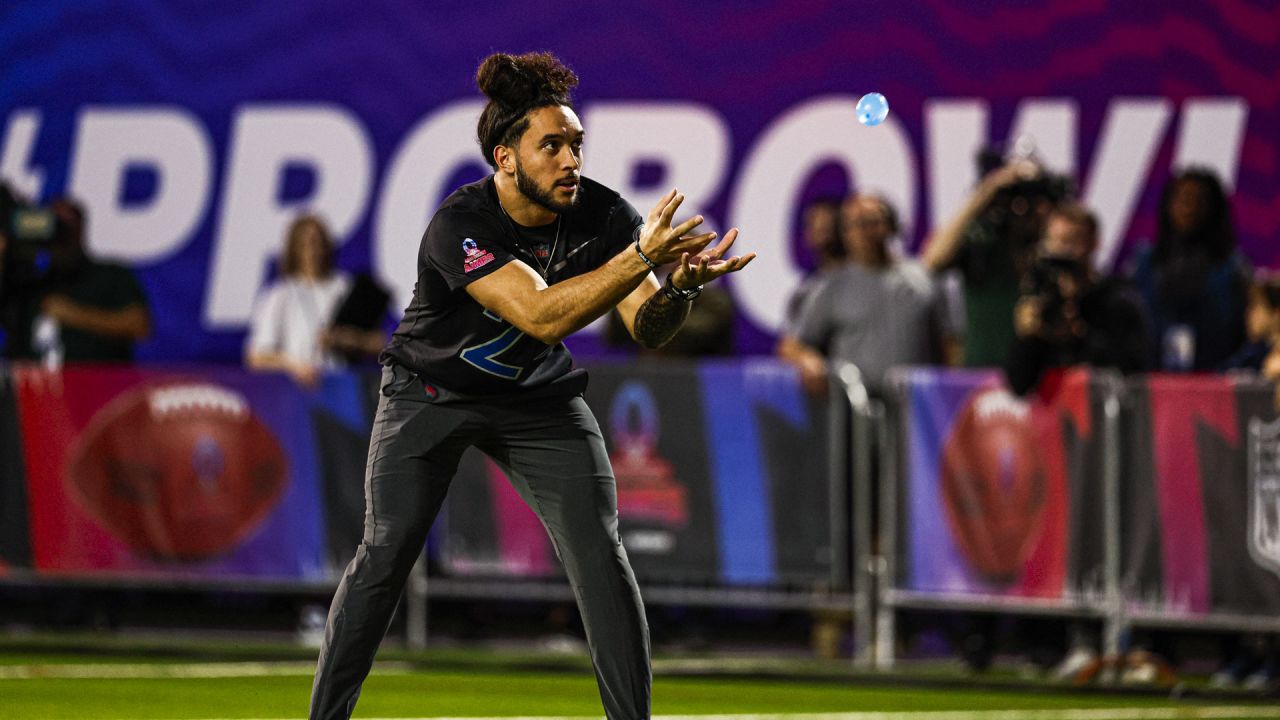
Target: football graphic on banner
{"x":993,"y":483}
{"x":179,"y":470}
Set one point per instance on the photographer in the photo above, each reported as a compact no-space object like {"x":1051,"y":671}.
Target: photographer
{"x":57,"y":303}
{"x":1067,"y":314}
{"x":990,"y":242}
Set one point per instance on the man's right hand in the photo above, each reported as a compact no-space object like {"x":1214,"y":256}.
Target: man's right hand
{"x":663,"y":243}
{"x":304,"y":373}
{"x":811,"y":364}
{"x":813,"y":373}
{"x":1008,"y":175}
{"x":942,"y":246}
{"x":1028,"y":318}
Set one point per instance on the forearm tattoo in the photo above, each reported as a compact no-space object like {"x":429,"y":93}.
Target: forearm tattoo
{"x":659,"y":318}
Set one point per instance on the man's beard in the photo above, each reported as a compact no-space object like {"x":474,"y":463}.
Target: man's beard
{"x":543,"y":198}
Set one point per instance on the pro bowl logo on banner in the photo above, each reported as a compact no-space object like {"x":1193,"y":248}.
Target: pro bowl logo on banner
{"x":652,"y":505}
{"x":1264,"y":493}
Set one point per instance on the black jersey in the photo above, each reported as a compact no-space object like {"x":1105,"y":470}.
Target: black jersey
{"x":449,"y":339}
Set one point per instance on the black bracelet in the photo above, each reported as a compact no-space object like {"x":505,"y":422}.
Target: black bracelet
{"x":652,"y":265}
{"x":675,"y":293}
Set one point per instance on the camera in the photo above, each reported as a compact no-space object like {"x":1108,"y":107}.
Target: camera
{"x":35,"y":245}
{"x":1046,"y":281}
{"x":32,"y":230}
{"x":1017,"y":211}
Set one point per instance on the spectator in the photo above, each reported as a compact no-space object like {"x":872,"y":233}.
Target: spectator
{"x":9,"y":305}
{"x":708,"y":332}
{"x":290,"y":329}
{"x":1262,"y":325}
{"x":358,"y":330}
{"x":821,"y":236}
{"x":1253,"y":660}
{"x":875,"y":311}
{"x":66,"y":306}
{"x":1067,"y":314}
{"x":1193,"y":280}
{"x":989,"y":242}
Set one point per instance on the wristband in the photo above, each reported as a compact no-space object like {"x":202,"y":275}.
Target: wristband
{"x":652,"y":265}
{"x":676,"y":293}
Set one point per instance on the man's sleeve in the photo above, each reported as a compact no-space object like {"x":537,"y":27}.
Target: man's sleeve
{"x":127,"y":290}
{"x":959,"y":259}
{"x":795,"y":303}
{"x":463,"y":247}
{"x":813,"y":325}
{"x":624,"y":227}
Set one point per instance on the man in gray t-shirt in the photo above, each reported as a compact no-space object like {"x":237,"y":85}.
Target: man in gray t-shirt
{"x":877,"y":311}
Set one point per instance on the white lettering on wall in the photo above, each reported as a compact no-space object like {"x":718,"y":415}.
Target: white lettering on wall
{"x":1050,"y":125}
{"x":1130,"y":139}
{"x":955,"y":130}
{"x":19,"y":144}
{"x":170,"y":142}
{"x":328,"y":140}
{"x":690,"y":142}
{"x":1210,"y":134}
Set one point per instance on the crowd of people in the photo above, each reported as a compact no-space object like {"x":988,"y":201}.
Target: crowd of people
{"x":59,"y":304}
{"x":1022,"y":247}
{"x":1031,"y":300}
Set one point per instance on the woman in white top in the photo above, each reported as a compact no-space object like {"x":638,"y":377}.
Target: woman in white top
{"x":292,"y":316}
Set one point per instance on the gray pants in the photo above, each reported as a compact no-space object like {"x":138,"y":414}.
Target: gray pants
{"x":554,"y":454}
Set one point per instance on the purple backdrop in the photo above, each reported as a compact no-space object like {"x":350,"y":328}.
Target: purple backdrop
{"x":193,"y":131}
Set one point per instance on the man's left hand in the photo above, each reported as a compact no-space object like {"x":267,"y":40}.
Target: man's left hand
{"x":702,"y":268}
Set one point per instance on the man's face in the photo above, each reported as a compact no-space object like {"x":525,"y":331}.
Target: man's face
{"x":1064,"y":238}
{"x":1260,"y":318}
{"x":1188,"y":205}
{"x":68,"y":245}
{"x":865,"y":221}
{"x":820,"y":225}
{"x":549,"y":158}
{"x":310,"y":251}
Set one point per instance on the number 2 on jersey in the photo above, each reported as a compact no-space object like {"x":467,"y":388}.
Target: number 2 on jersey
{"x":482,"y":356}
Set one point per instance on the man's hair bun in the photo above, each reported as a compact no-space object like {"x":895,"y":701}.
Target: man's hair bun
{"x":532,"y":79}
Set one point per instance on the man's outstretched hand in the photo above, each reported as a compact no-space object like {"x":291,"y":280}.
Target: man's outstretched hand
{"x":703,"y":267}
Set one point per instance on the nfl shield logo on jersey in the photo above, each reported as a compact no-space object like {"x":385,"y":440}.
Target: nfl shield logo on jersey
{"x":1264,"y":493}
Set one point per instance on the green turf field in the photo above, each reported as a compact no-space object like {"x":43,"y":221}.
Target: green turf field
{"x":232,"y":682}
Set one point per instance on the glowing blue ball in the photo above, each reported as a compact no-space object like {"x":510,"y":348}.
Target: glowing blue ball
{"x":872,"y":109}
